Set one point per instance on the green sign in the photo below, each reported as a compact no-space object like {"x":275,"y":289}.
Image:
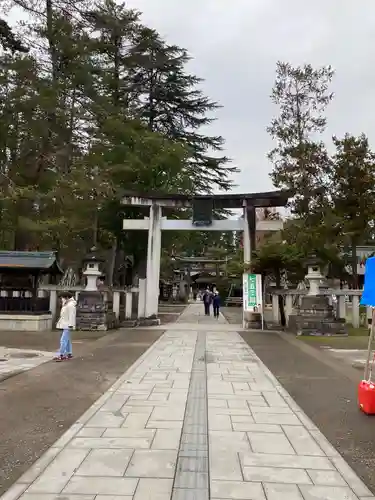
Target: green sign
{"x":252,"y":292}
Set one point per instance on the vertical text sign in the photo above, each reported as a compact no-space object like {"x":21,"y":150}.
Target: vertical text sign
{"x":252,"y":293}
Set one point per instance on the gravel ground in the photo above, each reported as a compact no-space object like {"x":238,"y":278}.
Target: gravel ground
{"x":38,"y":406}
{"x":327,"y":391}
{"x":44,"y":341}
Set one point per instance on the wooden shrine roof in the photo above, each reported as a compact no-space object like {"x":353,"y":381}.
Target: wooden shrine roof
{"x":29,"y":261}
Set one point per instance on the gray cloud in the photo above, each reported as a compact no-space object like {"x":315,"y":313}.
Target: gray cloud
{"x":236,"y":45}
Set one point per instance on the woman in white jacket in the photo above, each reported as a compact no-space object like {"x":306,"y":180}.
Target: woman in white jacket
{"x":66,"y":323}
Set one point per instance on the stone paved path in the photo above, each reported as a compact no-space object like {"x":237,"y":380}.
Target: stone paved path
{"x":198,"y":417}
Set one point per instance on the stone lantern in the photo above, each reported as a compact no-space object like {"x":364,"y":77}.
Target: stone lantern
{"x":94,"y":307}
{"x":315,"y":315}
{"x":314,"y":275}
{"x":92,"y":272}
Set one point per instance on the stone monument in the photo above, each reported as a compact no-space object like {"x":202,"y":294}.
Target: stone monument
{"x":315,"y":315}
{"x":94,"y":306}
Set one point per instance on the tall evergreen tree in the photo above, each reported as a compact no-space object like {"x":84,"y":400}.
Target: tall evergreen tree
{"x":353,"y":192}
{"x":300,"y":160}
{"x":170,"y":101}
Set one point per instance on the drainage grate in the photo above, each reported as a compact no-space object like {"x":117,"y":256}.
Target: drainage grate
{"x":191,"y":478}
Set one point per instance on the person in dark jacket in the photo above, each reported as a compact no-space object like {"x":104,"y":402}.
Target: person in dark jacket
{"x":216,"y":304}
{"x":207,"y":300}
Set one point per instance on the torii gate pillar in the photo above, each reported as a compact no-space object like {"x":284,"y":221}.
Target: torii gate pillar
{"x":153,"y":261}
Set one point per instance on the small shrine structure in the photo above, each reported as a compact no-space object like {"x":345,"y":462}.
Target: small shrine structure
{"x":21,"y":308}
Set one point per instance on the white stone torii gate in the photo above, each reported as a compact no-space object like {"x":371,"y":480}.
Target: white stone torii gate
{"x":156,"y":223}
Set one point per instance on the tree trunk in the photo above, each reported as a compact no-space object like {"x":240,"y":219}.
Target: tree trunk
{"x":112,"y":263}
{"x":280,"y":298}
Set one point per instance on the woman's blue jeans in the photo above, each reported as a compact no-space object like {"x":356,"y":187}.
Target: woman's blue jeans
{"x":65,"y":343}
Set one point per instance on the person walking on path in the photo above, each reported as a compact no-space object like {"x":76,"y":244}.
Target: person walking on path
{"x":207,"y":299}
{"x":66,"y":323}
{"x":216,"y":304}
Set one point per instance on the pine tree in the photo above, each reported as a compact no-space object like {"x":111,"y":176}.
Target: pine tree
{"x":353,"y":192}
{"x":300,"y":160}
{"x":169,"y":101}
{"x":8,"y":40}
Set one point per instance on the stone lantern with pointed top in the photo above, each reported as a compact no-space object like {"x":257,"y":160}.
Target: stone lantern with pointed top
{"x":92,"y":272}
{"x":314,"y":274}
{"x":94,"y":307}
{"x":315,"y":315}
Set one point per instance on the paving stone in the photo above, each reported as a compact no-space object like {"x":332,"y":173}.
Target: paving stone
{"x":327,"y":493}
{"x":245,"y":419}
{"x":217,"y":403}
{"x":166,"y":439}
{"x":152,"y":463}
{"x":124,"y":432}
{"x":302,"y":441}
{"x":105,"y":463}
{"x":274,"y":399}
{"x":275,"y":418}
{"x":288,"y":461}
{"x":146,"y":403}
{"x":101,"y":485}
{"x":91,"y":432}
{"x":282,"y":491}
{"x":137,"y":409}
{"x":105,"y":419}
{"x":136,"y":421}
{"x":274,"y":410}
{"x":109,"y":497}
{"x":230,"y":441}
{"x":110,"y":443}
{"x":237,"y":490}
{"x":174,"y":413}
{"x":164,"y":424}
{"x":219,"y":388}
{"x":47,"y":496}
{"x":326,"y":478}
{"x":238,"y":403}
{"x":252,"y":427}
{"x":276,"y":475}
{"x":270,"y":443}
{"x":220,"y":423}
{"x":153,"y":489}
{"x":225,"y":466}
{"x":156,"y":396}
{"x":58,"y":473}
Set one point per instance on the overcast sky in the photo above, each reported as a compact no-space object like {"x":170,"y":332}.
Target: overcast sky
{"x":235,"y":46}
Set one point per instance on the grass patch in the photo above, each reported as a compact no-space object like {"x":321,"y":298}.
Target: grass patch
{"x":357,"y":339}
